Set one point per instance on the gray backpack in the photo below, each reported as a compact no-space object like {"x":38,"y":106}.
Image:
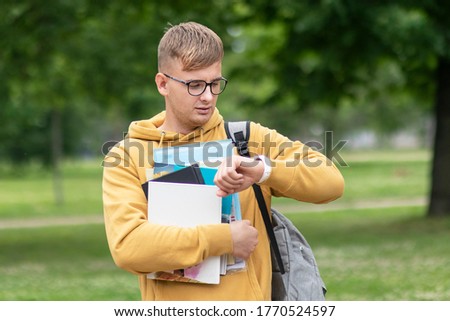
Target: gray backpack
{"x":295,"y":275}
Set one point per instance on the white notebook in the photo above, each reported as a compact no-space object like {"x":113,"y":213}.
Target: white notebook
{"x":187,"y":205}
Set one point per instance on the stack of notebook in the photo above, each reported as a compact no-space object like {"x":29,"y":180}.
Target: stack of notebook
{"x":184,"y":198}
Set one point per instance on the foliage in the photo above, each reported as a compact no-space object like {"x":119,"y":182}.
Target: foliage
{"x":44,"y":51}
{"x":81,"y":58}
{"x":331,"y":50}
{"x":72,"y":72}
{"x":97,"y":59}
{"x":378,"y":56}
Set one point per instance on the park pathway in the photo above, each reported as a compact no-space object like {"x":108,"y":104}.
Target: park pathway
{"x":284,"y":208}
{"x":295,"y":207}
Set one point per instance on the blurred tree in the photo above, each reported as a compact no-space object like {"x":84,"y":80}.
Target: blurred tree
{"x":64,"y":62}
{"x":35,"y":87}
{"x":318,"y":53}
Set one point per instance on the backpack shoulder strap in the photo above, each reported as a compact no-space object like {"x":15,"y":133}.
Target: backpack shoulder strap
{"x":239,"y":133}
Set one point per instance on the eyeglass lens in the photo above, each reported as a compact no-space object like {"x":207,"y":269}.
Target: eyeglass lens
{"x":197,"y":87}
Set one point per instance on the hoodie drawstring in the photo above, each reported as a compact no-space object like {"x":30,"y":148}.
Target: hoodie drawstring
{"x":163,"y":134}
{"x":201,"y":133}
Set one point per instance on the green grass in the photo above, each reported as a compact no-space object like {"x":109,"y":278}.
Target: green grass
{"x":382,"y":175}
{"x":380,"y":254}
{"x":61,"y":263}
{"x":369,"y":175}
{"x":373,"y":254}
{"x":29,"y":194}
{"x":381,"y":179}
{"x":389,"y":254}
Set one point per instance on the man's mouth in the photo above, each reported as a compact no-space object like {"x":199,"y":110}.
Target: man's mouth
{"x":203,"y":109}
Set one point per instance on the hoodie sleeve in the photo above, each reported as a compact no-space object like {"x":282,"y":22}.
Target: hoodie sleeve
{"x":139,"y":246}
{"x":298,"y":171}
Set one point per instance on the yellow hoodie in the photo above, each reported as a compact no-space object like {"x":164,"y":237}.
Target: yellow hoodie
{"x":141,"y":247}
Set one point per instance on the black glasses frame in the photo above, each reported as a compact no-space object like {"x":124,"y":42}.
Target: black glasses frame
{"x":187,"y":83}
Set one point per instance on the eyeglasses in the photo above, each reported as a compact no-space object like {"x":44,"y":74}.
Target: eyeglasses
{"x":198,"y":87}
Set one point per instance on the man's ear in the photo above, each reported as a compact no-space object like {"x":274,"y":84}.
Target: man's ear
{"x":161,"y":83}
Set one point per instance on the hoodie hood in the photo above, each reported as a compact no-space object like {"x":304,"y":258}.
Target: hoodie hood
{"x":148,"y":129}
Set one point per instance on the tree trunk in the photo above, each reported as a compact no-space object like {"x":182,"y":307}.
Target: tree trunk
{"x":440,"y":177}
{"x":56,"y":152}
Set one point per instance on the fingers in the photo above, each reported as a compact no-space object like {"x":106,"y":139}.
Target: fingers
{"x":245,"y":238}
{"x":236,"y":174}
{"x":227,"y":179}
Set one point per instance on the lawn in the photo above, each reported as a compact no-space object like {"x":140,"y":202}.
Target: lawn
{"x":29,"y":193}
{"x":61,"y":263}
{"x":372,"y":254}
{"x":388,"y":254}
{"x":380,"y":254}
{"x":368,"y":176}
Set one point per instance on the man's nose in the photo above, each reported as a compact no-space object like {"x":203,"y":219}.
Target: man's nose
{"x":207,"y":94}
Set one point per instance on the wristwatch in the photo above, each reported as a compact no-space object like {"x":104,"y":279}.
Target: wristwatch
{"x":267,"y":168}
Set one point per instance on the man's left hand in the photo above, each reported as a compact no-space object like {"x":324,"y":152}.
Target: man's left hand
{"x":237,"y":173}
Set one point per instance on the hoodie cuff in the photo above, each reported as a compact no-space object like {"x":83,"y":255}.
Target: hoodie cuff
{"x":218,"y":236}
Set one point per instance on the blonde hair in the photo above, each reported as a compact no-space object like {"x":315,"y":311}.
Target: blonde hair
{"x":194,"y":45}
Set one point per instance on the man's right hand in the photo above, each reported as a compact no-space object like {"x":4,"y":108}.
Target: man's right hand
{"x":245,"y":238}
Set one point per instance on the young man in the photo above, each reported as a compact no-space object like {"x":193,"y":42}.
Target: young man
{"x":190,"y":80}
